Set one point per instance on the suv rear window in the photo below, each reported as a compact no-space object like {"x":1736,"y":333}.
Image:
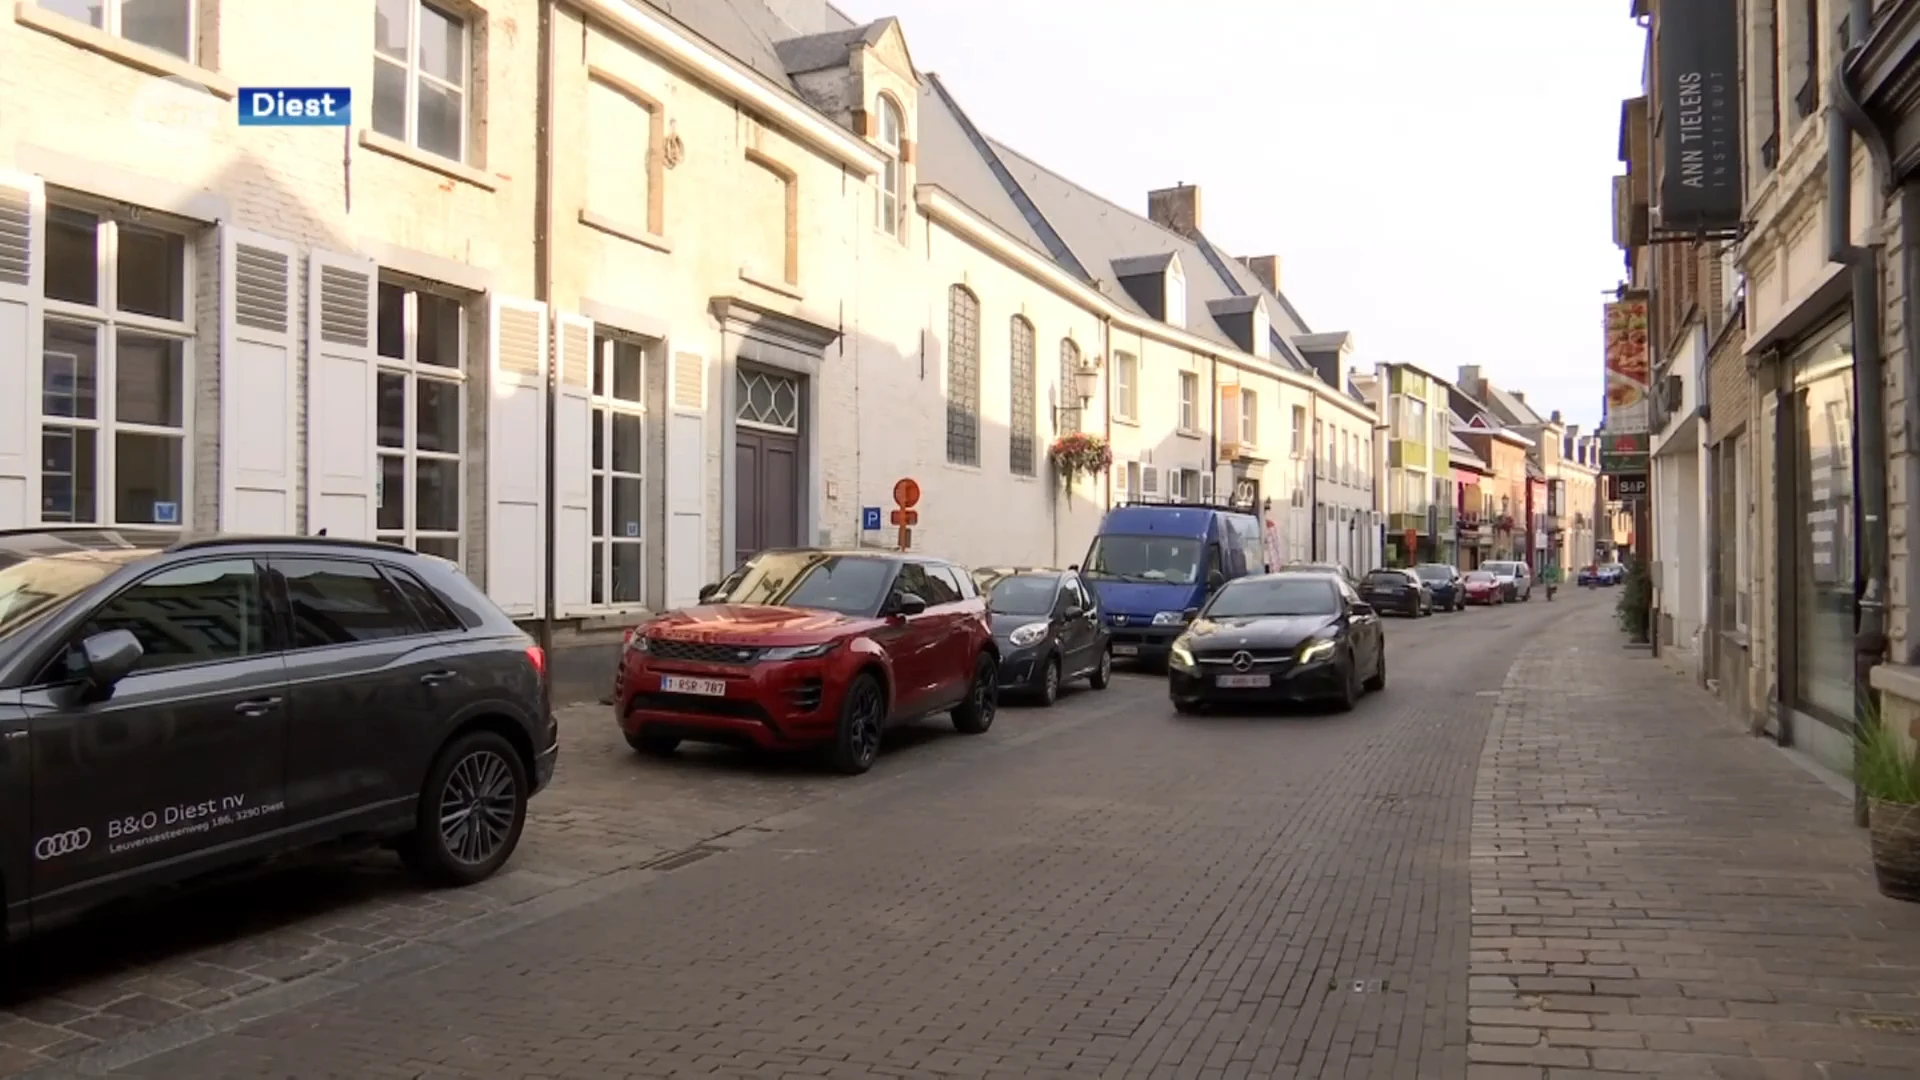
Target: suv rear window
{"x":338,"y":602}
{"x":431,"y":610}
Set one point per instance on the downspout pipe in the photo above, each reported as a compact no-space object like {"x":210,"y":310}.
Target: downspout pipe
{"x":1846,"y":119}
{"x":543,"y":292}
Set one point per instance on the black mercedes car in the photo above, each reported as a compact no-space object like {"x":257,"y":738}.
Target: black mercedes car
{"x":1279,"y":637}
{"x":1399,"y":591}
{"x":1049,"y":630}
{"x":1449,"y":592}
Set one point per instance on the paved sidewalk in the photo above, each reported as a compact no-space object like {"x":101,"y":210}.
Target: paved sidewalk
{"x":1657,"y":893}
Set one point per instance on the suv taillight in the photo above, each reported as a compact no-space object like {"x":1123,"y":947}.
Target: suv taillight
{"x":538,"y":658}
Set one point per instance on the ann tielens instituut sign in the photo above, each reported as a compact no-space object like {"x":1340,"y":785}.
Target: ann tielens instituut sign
{"x":1697,"y":93}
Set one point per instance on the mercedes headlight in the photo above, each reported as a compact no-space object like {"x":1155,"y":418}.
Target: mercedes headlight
{"x":1170,"y":618}
{"x":1316,"y":650}
{"x":1027,"y":635}
{"x":1182,"y":655}
{"x":797,"y":652}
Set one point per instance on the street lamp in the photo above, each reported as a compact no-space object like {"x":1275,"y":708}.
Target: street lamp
{"x":1086,"y":383}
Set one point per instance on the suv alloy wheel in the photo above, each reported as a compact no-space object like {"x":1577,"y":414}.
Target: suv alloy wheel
{"x":472,"y":810}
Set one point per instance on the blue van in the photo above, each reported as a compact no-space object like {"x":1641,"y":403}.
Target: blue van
{"x":1150,"y":563}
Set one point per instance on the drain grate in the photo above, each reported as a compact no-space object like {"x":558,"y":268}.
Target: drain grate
{"x":685,"y":858}
{"x":1897,"y":1025}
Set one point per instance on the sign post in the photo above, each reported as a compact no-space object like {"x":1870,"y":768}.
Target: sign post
{"x":906,"y":496}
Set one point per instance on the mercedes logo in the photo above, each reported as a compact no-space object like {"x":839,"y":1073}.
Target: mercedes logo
{"x":66,"y":843}
{"x":1242,"y":660}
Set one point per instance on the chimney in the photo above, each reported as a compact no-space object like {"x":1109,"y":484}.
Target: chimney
{"x":1556,"y":416}
{"x":1470,"y":380}
{"x":1518,"y":396}
{"x":1176,"y":208}
{"x":1266,"y":268}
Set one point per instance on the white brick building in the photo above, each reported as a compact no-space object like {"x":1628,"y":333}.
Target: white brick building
{"x":753,"y":269}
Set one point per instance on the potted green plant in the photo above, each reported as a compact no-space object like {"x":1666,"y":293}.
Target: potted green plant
{"x":1635,"y":606}
{"x":1078,"y":453}
{"x":1889,"y":775}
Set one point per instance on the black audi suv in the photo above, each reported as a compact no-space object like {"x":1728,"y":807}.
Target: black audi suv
{"x":171,"y":709}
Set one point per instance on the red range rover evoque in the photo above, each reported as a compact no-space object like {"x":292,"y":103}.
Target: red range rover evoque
{"x":803,"y":649}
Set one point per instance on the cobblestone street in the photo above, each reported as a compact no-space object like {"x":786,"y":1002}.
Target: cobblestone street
{"x":1535,"y":854}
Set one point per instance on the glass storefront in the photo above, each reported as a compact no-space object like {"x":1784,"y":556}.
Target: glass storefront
{"x":1823,"y":496}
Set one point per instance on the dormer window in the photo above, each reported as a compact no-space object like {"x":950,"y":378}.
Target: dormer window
{"x":1176,"y":294}
{"x":891,"y":132}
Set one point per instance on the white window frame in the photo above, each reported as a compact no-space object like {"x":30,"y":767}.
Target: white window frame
{"x":113,"y":22}
{"x":1126,"y":387}
{"x":1742,"y":544}
{"x":410,"y":367}
{"x":601,"y":410}
{"x":1417,"y":428}
{"x":1189,"y":418}
{"x":891,"y":179}
{"x":1249,"y":418}
{"x":415,"y":74}
{"x":106,"y":323}
{"x":1297,"y":438}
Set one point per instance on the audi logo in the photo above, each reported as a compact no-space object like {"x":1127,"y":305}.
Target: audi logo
{"x":66,"y":843}
{"x":1242,"y":660}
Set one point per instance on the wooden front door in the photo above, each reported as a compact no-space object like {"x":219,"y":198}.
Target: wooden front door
{"x":766,"y":500}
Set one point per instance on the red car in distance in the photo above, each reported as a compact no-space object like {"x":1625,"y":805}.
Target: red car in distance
{"x":807,"y":649}
{"x":1483,"y":588}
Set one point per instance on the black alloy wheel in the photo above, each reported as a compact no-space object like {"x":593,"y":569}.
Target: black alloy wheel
{"x":1349,"y":685}
{"x":1378,"y":680}
{"x":470,"y":812}
{"x":975,"y":715}
{"x":863,"y":717}
{"x":1103,"y":674}
{"x":1050,"y":682}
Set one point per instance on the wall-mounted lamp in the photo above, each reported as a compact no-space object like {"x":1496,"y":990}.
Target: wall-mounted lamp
{"x":1086,"y":383}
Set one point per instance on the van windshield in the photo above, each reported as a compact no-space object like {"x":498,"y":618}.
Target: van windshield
{"x":1175,"y":560}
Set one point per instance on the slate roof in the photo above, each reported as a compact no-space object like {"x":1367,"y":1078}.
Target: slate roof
{"x":1458,"y":450}
{"x":955,"y":157}
{"x":1510,"y":409}
{"x":1080,"y":231}
{"x":819,"y":52}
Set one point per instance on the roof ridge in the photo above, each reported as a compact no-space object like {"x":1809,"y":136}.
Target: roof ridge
{"x":1083,"y":189}
{"x":984,"y":145}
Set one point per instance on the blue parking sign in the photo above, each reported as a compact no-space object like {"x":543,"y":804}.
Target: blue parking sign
{"x":870,"y":518}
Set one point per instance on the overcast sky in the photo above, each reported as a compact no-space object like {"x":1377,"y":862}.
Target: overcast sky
{"x":1434,"y":178}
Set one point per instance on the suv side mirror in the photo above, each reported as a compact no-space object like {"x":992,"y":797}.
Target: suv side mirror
{"x":1360,"y":607}
{"x":107,"y":657}
{"x":707,"y":592}
{"x":1215,"y":579}
{"x":908,"y":603}
{"x":1073,"y":611}
{"x":1190,"y":614}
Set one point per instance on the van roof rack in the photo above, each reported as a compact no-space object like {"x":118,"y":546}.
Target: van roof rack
{"x":1224,"y":508}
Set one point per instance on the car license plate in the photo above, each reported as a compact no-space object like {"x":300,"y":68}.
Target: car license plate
{"x":674,"y":684}
{"x":1126,"y":650}
{"x":1241,"y":682}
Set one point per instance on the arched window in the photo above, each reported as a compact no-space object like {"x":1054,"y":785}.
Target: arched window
{"x":1069,"y":401}
{"x":1022,"y":454}
{"x":892,"y":131}
{"x":963,"y":376}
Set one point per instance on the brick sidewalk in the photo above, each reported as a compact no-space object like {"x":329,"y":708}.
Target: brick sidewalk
{"x":1658,"y":893}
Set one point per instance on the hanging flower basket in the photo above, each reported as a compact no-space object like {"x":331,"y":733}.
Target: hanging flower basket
{"x":1075,"y":454}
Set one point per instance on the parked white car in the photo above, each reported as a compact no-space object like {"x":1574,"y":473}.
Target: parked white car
{"x":1515,"y":578}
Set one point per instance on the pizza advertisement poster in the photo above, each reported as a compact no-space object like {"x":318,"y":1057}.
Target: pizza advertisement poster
{"x":1629,"y":366}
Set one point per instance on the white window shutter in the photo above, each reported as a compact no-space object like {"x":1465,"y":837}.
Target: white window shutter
{"x":686,"y":541}
{"x":1206,"y":487}
{"x":258,"y":324}
{"x":572,"y":464}
{"x":23,"y":230}
{"x":342,"y":315}
{"x":517,"y":455}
